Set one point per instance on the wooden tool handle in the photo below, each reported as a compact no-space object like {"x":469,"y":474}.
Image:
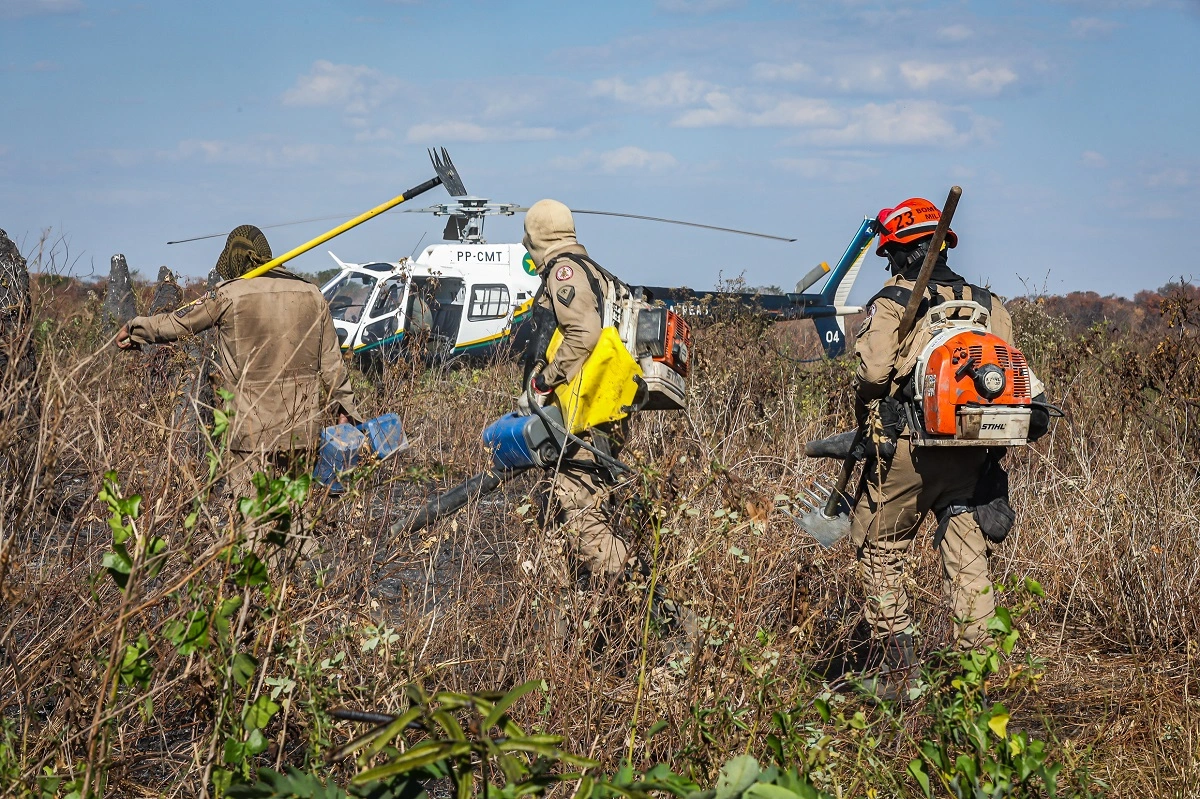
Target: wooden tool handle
{"x":935,"y":247}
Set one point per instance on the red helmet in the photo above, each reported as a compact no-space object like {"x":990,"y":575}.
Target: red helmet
{"x":909,"y":222}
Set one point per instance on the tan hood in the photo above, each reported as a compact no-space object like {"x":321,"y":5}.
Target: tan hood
{"x":549,"y":227}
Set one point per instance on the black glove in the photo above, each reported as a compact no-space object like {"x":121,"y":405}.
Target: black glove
{"x":995,"y":519}
{"x":993,"y":514}
{"x":891,"y":414}
{"x":539,"y":385}
{"x":1039,"y":417}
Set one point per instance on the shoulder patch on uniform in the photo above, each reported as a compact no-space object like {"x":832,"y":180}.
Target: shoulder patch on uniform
{"x":566,"y":294}
{"x":564,"y":273}
{"x":866,"y":323}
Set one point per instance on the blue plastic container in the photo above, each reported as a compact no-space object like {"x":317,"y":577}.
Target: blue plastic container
{"x":385,"y":434}
{"x":343,"y":446}
{"x":505,"y":437}
{"x":519,"y":442}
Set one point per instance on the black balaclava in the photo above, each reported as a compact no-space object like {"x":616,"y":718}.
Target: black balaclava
{"x":904,"y":260}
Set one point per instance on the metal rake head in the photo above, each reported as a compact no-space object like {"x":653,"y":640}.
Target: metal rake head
{"x":818,"y":496}
{"x":448,"y":173}
{"x":828,"y":530}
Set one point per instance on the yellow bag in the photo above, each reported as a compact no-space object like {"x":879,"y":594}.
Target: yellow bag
{"x":604,"y":386}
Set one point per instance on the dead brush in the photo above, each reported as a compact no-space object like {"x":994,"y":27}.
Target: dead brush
{"x":217,"y":663}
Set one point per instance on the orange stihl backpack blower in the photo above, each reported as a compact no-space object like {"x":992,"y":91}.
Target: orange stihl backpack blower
{"x":970,"y":387}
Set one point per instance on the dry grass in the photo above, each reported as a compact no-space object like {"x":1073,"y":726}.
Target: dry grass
{"x":1108,"y":525}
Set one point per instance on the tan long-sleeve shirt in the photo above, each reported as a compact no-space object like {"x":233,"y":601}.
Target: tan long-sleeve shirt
{"x":579,"y":310}
{"x":276,"y":350}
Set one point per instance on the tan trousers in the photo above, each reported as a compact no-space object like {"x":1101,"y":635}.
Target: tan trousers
{"x":886,"y":520}
{"x":581,"y":496}
{"x":241,"y":467}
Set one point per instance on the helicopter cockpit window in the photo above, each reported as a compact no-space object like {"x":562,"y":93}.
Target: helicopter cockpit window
{"x":488,"y":302}
{"x":388,"y":299}
{"x":348,"y":296}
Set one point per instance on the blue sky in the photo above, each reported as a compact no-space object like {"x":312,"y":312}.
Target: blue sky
{"x":1070,"y":125}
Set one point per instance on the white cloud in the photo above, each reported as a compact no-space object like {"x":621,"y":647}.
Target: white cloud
{"x":377,"y":134}
{"x":973,"y":78}
{"x":622,"y":159}
{"x":357,"y":89}
{"x":259,"y":152}
{"x":438,"y":132}
{"x":1091,"y":27}
{"x":698,"y":6}
{"x":796,"y":70}
{"x":827,"y":170}
{"x":955,"y":33}
{"x":860,"y":75}
{"x":922,"y":122}
{"x":1172,"y":177}
{"x":37,"y":8}
{"x":726,"y":110}
{"x":1093,"y":159}
{"x":660,"y":91}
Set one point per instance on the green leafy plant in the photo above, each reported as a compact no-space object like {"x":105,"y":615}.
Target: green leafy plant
{"x":969,"y":752}
{"x":465,"y":738}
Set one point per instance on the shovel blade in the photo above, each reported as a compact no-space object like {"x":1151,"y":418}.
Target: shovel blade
{"x":828,"y":530}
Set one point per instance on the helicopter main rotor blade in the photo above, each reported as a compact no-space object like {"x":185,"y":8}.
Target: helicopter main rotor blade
{"x":678,"y":222}
{"x":516,"y":209}
{"x":429,"y":210}
{"x":264,"y":227}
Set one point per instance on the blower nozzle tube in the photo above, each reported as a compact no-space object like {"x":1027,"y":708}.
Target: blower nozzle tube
{"x":453,"y":499}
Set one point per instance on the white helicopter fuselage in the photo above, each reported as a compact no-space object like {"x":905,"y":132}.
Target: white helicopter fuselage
{"x":461,"y":298}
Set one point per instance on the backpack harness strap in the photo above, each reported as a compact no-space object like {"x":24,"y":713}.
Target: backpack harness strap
{"x":900,"y":295}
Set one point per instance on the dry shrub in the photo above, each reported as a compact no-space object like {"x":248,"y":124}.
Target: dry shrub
{"x":478,"y":601}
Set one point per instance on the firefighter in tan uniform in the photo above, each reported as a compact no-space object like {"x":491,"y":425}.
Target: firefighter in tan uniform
{"x":575,"y":294}
{"x":276,"y":351}
{"x":575,"y":290}
{"x":901,"y":490}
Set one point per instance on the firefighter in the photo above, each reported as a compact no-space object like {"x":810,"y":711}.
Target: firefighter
{"x":276,"y":351}
{"x":573,"y":297}
{"x":901,"y":489}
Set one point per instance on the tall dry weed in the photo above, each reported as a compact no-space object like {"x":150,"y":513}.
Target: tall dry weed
{"x":478,"y":601}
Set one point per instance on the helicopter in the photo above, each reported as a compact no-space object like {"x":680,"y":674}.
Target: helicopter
{"x":469,"y":297}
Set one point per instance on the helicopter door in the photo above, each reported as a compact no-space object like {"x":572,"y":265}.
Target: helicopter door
{"x":382,"y":325}
{"x":488,"y":315}
{"x":434,"y":310}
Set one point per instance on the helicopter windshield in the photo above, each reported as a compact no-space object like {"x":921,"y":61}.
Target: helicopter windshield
{"x":348,"y":296}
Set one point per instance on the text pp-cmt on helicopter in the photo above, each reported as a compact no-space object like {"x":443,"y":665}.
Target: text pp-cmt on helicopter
{"x":468,"y":297}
